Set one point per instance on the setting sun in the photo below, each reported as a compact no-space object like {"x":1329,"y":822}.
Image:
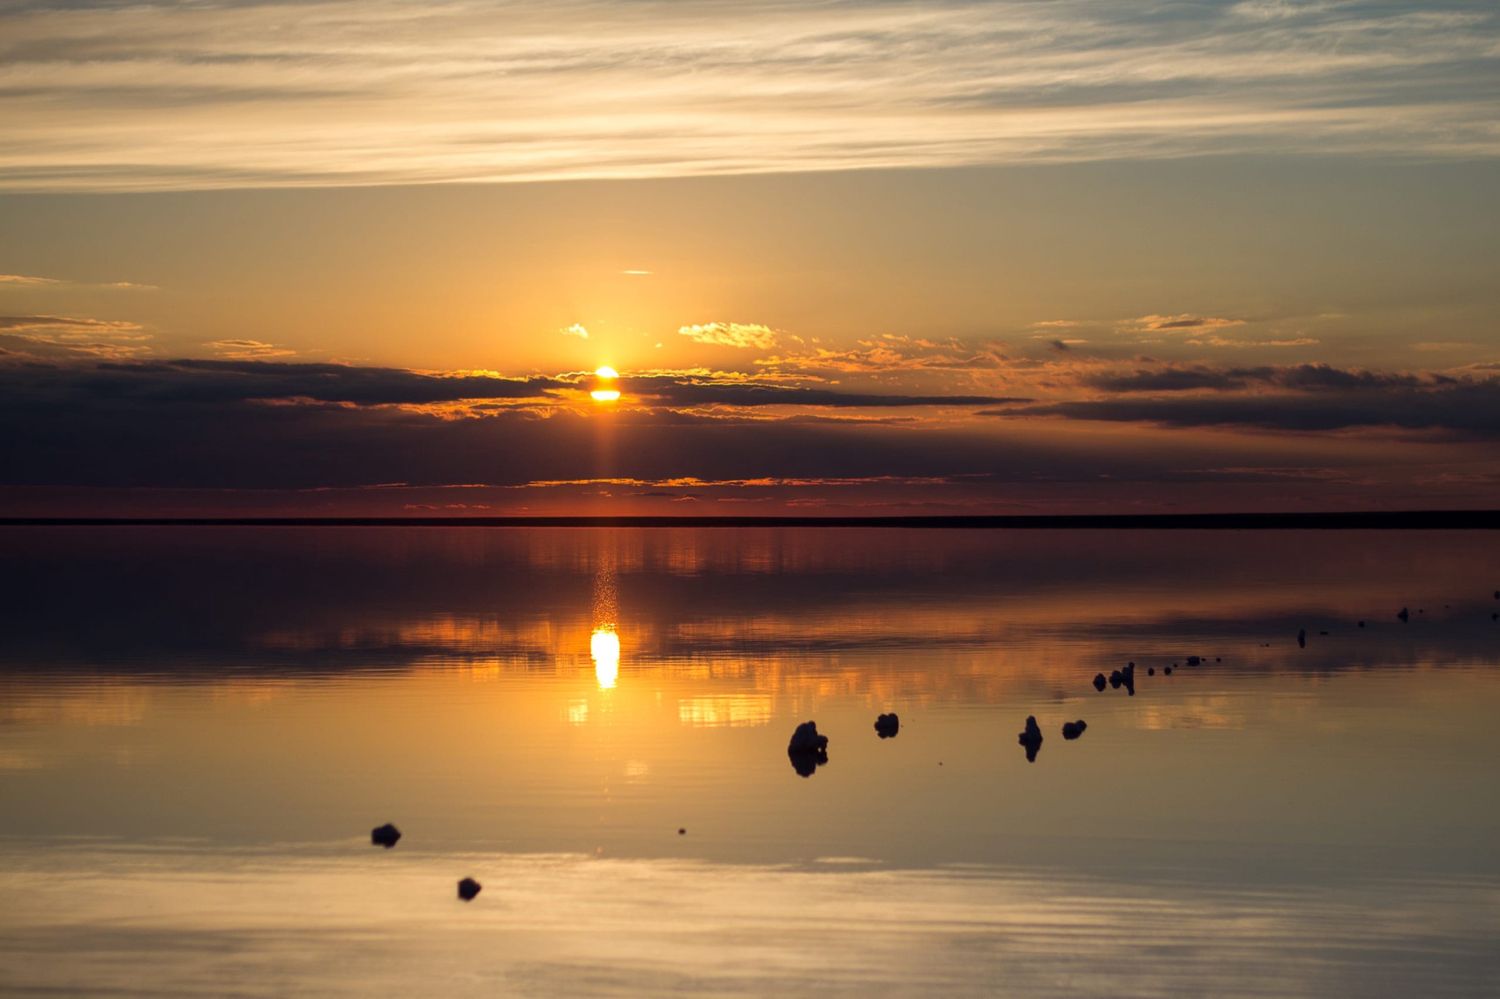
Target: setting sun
{"x":605,"y":393}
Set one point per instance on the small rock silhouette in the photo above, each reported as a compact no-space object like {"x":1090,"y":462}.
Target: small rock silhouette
{"x":1031,"y":738}
{"x":1167,"y":670}
{"x":1361,"y":624}
{"x":1193,"y":660}
{"x":1115,"y":679}
{"x":1099,"y":682}
{"x":385,"y":835}
{"x":886,"y":726}
{"x":808,"y":750}
{"x":1301,"y":638}
{"x":1404,"y":616}
{"x":1150,"y":670}
{"x":1073,"y":729}
{"x":468,"y":888}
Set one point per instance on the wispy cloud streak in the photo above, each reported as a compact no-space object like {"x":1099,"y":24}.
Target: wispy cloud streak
{"x":213,"y":95}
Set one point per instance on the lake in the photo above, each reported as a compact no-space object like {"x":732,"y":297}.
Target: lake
{"x":200,"y":726}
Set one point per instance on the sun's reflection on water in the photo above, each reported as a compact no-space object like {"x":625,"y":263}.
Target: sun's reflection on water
{"x":721,"y":710}
{"x":604,"y":647}
{"x":604,"y":643}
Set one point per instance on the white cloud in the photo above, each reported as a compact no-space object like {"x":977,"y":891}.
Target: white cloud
{"x":577,"y":329}
{"x":1182,"y":323}
{"x":33,"y":281}
{"x":249,"y":350}
{"x":1219,"y":341}
{"x":742,"y":335}
{"x":108,"y":338}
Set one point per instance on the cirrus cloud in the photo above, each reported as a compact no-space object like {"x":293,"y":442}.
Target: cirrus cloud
{"x":123,"y":96}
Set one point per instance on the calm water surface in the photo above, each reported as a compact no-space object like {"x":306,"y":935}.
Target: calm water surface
{"x":199,"y":727}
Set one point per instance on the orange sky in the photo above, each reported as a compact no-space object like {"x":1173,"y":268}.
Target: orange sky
{"x":971,"y":258}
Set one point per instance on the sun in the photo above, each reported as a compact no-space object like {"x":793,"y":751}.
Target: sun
{"x":605,"y":392}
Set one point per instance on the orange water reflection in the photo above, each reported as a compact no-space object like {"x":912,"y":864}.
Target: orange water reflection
{"x":523,"y":701}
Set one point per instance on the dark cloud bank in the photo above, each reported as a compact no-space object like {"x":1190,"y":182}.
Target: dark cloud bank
{"x":225,"y":425}
{"x":219,"y":424}
{"x":1308,"y":397}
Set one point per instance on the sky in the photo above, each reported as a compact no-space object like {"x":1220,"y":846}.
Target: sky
{"x":845,"y":257}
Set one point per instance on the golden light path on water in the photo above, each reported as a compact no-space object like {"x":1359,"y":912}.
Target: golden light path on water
{"x":604,"y":642}
{"x":604,"y":647}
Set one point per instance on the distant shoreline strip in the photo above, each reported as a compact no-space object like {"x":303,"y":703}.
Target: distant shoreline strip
{"x":1426,"y":520}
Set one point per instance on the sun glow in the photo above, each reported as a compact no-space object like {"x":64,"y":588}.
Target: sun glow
{"x":605,"y":393}
{"x":604,"y":647}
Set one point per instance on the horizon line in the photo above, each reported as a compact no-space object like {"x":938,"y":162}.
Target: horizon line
{"x":1322,"y":520}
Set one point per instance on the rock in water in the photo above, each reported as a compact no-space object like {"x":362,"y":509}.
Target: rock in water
{"x":1115,"y":679}
{"x":1193,"y":660}
{"x":1167,"y":670}
{"x":1302,"y":638}
{"x":806,"y":739}
{"x":385,"y":835}
{"x":886,"y":726}
{"x":807,"y":763}
{"x":808,"y":750}
{"x":1404,"y":616}
{"x":1031,"y":738}
{"x":468,"y":888}
{"x":1099,"y":682}
{"x":1073,"y":729}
